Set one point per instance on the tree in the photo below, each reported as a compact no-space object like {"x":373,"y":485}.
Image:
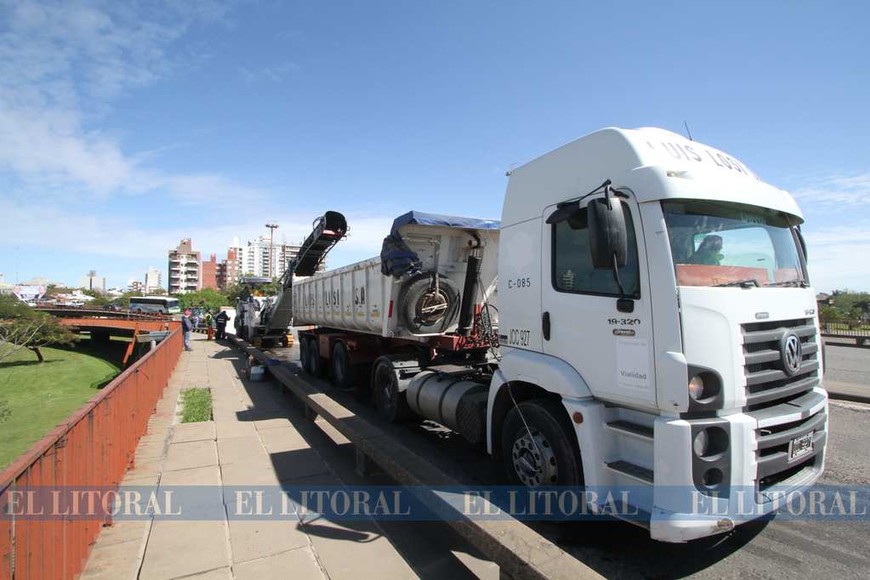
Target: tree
{"x":234,"y":291}
{"x":829,"y":314}
{"x":205,"y":298}
{"x":98,"y":299}
{"x":22,"y":327}
{"x":124,"y":299}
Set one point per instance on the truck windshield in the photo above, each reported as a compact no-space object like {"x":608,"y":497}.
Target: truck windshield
{"x":727,"y":244}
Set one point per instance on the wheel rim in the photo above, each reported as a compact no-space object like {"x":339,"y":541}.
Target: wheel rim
{"x":431,"y":307}
{"x":534,"y":460}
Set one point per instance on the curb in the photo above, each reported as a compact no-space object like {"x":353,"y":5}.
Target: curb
{"x":519,"y":551}
{"x":848,"y":397}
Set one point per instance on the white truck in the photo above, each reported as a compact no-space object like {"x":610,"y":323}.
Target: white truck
{"x":641,"y":317}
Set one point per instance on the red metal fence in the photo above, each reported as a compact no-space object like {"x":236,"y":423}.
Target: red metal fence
{"x":92,"y":449}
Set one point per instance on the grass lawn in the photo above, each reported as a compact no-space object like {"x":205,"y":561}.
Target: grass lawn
{"x":39,"y":396}
{"x":196,"y":405}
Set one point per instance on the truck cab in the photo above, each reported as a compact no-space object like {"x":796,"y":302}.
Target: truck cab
{"x":690,"y":366}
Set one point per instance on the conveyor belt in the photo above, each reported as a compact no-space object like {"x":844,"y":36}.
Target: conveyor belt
{"x":329,"y":229}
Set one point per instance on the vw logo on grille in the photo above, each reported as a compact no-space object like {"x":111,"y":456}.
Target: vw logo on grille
{"x":792,"y":353}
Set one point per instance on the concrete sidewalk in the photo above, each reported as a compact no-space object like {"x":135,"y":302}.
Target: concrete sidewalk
{"x":251,"y":441}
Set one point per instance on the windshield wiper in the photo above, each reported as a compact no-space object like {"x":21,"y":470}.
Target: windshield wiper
{"x":750,"y":283}
{"x":792,"y":283}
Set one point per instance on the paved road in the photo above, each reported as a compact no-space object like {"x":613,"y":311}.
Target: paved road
{"x":778,"y":549}
{"x":848,"y":368}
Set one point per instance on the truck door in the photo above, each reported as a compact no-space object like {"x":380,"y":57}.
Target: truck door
{"x":605,"y":334}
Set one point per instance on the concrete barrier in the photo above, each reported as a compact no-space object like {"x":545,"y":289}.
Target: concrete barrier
{"x":519,"y":551}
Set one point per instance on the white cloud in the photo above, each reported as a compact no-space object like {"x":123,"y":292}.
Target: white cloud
{"x":836,"y":257}
{"x":62,"y":64}
{"x":837,"y":228}
{"x":128,"y":238}
{"x":275,"y":73}
{"x":847,"y":191}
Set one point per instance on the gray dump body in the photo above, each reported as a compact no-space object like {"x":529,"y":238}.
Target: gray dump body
{"x":362,"y":298}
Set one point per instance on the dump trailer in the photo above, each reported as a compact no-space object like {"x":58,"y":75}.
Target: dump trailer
{"x":640,"y":319}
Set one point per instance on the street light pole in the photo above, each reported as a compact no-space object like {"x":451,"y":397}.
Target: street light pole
{"x":272,"y":228}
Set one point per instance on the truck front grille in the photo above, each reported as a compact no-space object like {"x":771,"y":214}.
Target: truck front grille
{"x":772,"y":457}
{"x":767,"y":383}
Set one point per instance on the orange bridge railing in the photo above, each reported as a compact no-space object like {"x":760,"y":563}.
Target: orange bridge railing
{"x":91,"y":449}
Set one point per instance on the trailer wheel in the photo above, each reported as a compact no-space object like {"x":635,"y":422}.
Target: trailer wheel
{"x":391,"y":402}
{"x":426,"y":311}
{"x":315,"y":363}
{"x":343,"y":372}
{"x":304,"y":347}
{"x":541,"y":450}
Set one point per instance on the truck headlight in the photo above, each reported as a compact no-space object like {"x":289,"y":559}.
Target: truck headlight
{"x":711,"y":461}
{"x":705,"y":389}
{"x":710,"y":443}
{"x":696,"y":387}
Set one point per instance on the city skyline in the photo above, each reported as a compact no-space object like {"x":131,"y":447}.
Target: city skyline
{"x":129,"y":126}
{"x":160,"y":270}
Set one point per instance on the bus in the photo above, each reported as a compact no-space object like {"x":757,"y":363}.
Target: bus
{"x":154,"y":305}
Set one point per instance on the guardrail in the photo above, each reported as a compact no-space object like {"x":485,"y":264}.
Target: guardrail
{"x":859,"y":330}
{"x":91,"y":449}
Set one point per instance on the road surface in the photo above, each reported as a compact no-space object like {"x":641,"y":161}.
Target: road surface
{"x":782,"y":548}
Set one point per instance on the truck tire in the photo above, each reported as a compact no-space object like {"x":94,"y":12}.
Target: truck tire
{"x":390,"y":402}
{"x":426,"y":312}
{"x":343,"y":371}
{"x":315,"y":363}
{"x":304,"y":346}
{"x":545,"y":452}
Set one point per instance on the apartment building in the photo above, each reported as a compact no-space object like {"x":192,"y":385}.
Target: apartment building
{"x":93,"y":282}
{"x":185,"y":272}
{"x":261,"y":258}
{"x":209,"y":273}
{"x":153,"y":280}
{"x":229,"y":270}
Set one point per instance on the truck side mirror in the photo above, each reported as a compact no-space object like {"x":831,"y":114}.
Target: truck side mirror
{"x":608,"y":236}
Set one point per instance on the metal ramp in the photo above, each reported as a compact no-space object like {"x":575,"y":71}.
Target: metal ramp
{"x":328,"y":230}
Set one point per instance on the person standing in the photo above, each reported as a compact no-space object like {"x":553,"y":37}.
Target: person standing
{"x":221,"y":322}
{"x":186,"y":328}
{"x":209,"y":325}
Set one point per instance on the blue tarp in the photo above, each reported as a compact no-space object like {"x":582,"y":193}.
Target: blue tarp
{"x":398,"y":260}
{"x":437,"y":219}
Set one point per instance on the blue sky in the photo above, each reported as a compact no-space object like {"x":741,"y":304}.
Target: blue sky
{"x":126,"y":126}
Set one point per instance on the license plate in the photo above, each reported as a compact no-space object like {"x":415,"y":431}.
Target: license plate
{"x":800,"y":446}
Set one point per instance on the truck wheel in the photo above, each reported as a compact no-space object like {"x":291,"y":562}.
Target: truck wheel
{"x":428,"y":312}
{"x":303,"y":354}
{"x":541,"y":450}
{"x":315,"y":363}
{"x":343,"y":375}
{"x":391,"y":403}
